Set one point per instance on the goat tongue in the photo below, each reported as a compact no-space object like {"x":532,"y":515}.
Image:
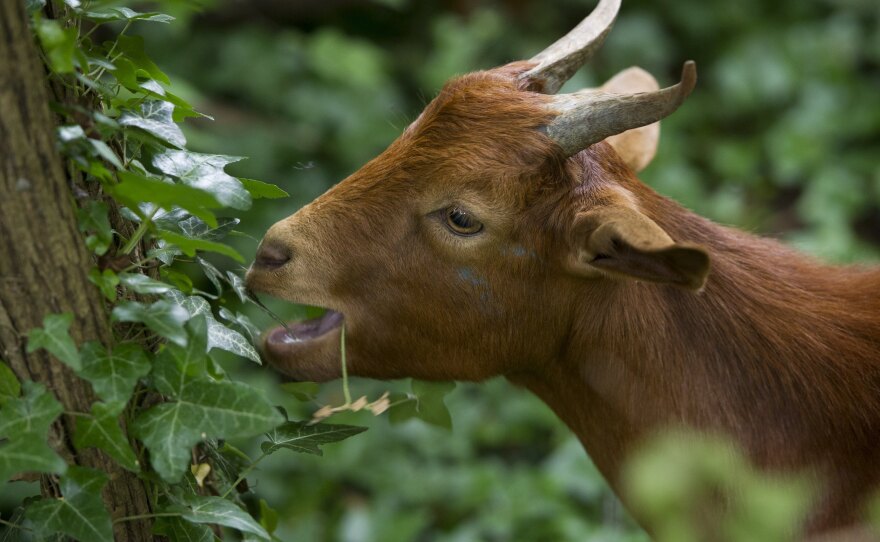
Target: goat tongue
{"x":307,"y":329}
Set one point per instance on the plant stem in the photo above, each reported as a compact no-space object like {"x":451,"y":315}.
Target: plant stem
{"x":345,"y":391}
{"x":13,"y":525}
{"x":244,"y":474}
{"x":139,"y":232}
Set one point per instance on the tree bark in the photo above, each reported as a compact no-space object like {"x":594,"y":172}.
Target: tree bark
{"x":43,"y":260}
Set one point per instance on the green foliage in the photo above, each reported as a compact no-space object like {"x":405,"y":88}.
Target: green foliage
{"x":306,"y":437}
{"x":24,"y":426}
{"x":676,"y":480}
{"x":161,"y":399}
{"x":55,"y":338}
{"x":80,"y":512}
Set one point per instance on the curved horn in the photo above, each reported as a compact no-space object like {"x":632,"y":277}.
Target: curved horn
{"x":587,"y":117}
{"x":557,"y":63}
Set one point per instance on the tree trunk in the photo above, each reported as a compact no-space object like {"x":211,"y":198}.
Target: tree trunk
{"x":44,"y":262}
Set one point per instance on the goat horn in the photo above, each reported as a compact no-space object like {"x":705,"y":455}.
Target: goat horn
{"x":557,"y":63}
{"x":589,"y":116}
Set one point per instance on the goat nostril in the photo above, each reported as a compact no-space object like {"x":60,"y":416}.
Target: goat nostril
{"x":272,"y":256}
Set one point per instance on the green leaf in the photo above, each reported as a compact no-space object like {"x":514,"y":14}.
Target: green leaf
{"x":106,"y":281}
{"x":133,"y":48}
{"x":126,"y":14}
{"x":102,"y":431}
{"x":26,"y":453}
{"x":114,"y":373}
{"x":431,"y":407}
{"x":243,"y":323}
{"x":238,"y":286}
{"x":212,"y":273}
{"x":259,"y":189}
{"x":268,"y":517}
{"x":218,"y":511}
{"x":92,"y":217}
{"x":175,"y":365}
{"x":205,"y":171}
{"x":194,"y":228}
{"x":58,"y":43}
{"x":203,"y":409}
{"x":143,"y":284}
{"x":164,"y":318}
{"x":304,"y":438}
{"x":219,"y":336}
{"x":55,"y":338}
{"x":135,"y":189}
{"x":10,"y":388}
{"x":80,"y":513}
{"x":189,"y":246}
{"x":31,"y":414}
{"x":181,"y":530}
{"x":155,"y":119}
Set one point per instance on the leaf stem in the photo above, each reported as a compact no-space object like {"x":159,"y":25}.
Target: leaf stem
{"x":13,"y":525}
{"x":139,"y":232}
{"x":345,"y":391}
{"x":244,"y":474}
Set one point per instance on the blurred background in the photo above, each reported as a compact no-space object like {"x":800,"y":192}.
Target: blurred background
{"x":781,"y":137}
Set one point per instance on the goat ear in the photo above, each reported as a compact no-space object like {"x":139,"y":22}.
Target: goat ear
{"x":620,"y":241}
{"x":638,"y":146}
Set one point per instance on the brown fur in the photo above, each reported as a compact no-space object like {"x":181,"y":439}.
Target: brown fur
{"x":778,"y":351}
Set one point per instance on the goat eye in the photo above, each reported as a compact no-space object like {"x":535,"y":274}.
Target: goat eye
{"x":461,"y":222}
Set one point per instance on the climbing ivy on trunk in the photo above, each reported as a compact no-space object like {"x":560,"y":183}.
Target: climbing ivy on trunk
{"x":107,"y":389}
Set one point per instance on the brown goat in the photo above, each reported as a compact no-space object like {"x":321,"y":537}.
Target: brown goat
{"x":505,"y":233}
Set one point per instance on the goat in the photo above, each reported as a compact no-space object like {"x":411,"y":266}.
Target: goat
{"x":505,"y":233}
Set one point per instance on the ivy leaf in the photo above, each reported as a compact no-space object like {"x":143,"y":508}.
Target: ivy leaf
{"x":126,"y":14}
{"x":219,"y":336}
{"x":114,"y":373}
{"x":205,"y":171}
{"x":59,"y":44}
{"x":25,"y":453}
{"x":180,"y":530}
{"x":194,"y":228}
{"x":31,"y":414}
{"x":135,"y":189}
{"x":55,"y":338}
{"x":155,"y":119}
{"x":106,"y":281}
{"x":426,"y":402}
{"x":259,"y":189}
{"x":430,"y":406}
{"x":243,"y":323}
{"x":203,"y":409}
{"x":238,"y":286}
{"x":10,"y":388}
{"x":218,"y":511}
{"x":175,"y":365}
{"x":189,"y":246}
{"x":212,"y":273}
{"x":143,"y":284}
{"x":102,"y":431}
{"x":92,"y":217}
{"x":133,"y":49}
{"x":164,"y":318}
{"x":80,"y":513}
{"x":304,"y":438}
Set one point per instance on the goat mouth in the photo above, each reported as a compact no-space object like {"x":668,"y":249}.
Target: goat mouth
{"x":296,"y":333}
